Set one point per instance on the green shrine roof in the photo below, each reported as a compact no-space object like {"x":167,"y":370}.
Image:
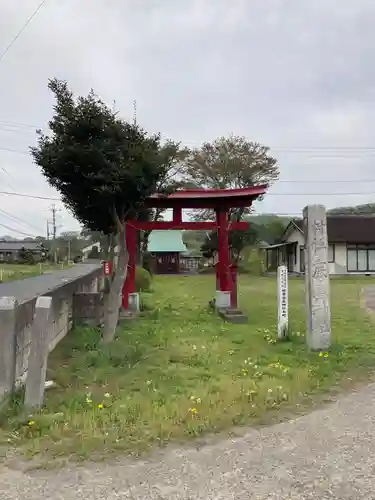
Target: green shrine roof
{"x":166,"y":241}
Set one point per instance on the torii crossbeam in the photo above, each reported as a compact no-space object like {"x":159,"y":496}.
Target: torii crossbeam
{"x":220,"y":200}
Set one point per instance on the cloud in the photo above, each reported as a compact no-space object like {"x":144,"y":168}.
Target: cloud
{"x":293,"y":75}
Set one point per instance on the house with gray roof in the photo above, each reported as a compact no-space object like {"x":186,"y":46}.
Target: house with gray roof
{"x":14,"y":251}
{"x":351,"y":246}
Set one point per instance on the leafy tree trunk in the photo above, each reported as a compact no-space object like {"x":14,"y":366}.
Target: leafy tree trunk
{"x":112,"y":301}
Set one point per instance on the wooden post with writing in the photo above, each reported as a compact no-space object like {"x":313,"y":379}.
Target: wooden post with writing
{"x":282,"y":302}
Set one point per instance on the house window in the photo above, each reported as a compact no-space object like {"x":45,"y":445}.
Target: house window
{"x":331,"y":253}
{"x":360,"y":258}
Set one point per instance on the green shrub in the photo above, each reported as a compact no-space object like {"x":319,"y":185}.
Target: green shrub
{"x":252,"y":263}
{"x":142,"y":280}
{"x":147,"y":262}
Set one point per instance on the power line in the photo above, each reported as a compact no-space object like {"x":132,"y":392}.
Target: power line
{"x":18,"y":219}
{"x":2,"y":54}
{"x":25,"y":195}
{"x":13,"y":130}
{"x":18,"y":124}
{"x":11,"y":150}
{"x":343,"y":193}
{"x":17,"y":231}
{"x":372,"y":193}
{"x":330,"y":181}
{"x":313,"y":153}
{"x":7,"y":175}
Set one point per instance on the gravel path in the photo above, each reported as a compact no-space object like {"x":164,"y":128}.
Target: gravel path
{"x":328,"y":454}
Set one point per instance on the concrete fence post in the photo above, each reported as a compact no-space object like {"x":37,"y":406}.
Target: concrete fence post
{"x":8,"y":315}
{"x":36,"y":373}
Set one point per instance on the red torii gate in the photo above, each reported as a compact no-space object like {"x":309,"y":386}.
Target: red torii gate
{"x":220,"y":200}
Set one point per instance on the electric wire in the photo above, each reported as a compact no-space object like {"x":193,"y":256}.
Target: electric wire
{"x":27,"y":22}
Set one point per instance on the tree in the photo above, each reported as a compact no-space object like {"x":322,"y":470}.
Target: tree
{"x":232,"y":162}
{"x":172,"y":157}
{"x":238,"y":241}
{"x":270,"y":227}
{"x":69,"y":245}
{"x":25,"y":256}
{"x":104,"y":169}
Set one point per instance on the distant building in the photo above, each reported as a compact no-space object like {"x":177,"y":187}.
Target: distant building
{"x":87,"y":250}
{"x":351,"y":246}
{"x":170,"y":254}
{"x":14,"y":251}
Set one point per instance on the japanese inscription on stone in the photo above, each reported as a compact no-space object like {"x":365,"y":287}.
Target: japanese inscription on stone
{"x":317,"y":278}
{"x":282,"y":302}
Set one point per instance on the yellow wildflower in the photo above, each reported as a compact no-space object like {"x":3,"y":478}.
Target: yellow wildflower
{"x":100,"y":406}
{"x":320,"y":355}
{"x":193,"y":411}
{"x":326,"y":355}
{"x":30,"y":422}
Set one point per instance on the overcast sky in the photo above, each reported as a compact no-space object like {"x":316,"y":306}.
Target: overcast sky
{"x":295,"y":75}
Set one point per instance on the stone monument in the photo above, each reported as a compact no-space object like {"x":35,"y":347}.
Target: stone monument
{"x":282,"y":302}
{"x":318,"y":312}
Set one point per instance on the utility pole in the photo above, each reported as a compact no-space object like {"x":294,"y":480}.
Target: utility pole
{"x":54,"y":229}
{"x":54,"y":210}
{"x":48,"y":230}
{"x":134,"y":112}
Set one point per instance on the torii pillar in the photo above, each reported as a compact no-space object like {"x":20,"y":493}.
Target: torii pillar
{"x":224,"y":277}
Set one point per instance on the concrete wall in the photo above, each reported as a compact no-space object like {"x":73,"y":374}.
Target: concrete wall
{"x":18,"y":331}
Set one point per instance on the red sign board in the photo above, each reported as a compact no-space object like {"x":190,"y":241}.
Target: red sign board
{"x":107,"y":267}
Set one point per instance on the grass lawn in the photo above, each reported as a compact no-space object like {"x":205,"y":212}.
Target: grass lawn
{"x":179,"y":371}
{"x":13,"y":272}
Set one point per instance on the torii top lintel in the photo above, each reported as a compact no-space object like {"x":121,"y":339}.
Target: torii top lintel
{"x":207,"y":198}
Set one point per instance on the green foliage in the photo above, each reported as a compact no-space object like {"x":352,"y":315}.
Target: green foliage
{"x":142,"y":281}
{"x":270,"y":227}
{"x":171,"y":156}
{"x":368,"y":208}
{"x":252,"y":262}
{"x":26,"y":256}
{"x":238,"y":240}
{"x":232,"y":162}
{"x":147,"y":263}
{"x":103,"y":167}
{"x":194,"y":240}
